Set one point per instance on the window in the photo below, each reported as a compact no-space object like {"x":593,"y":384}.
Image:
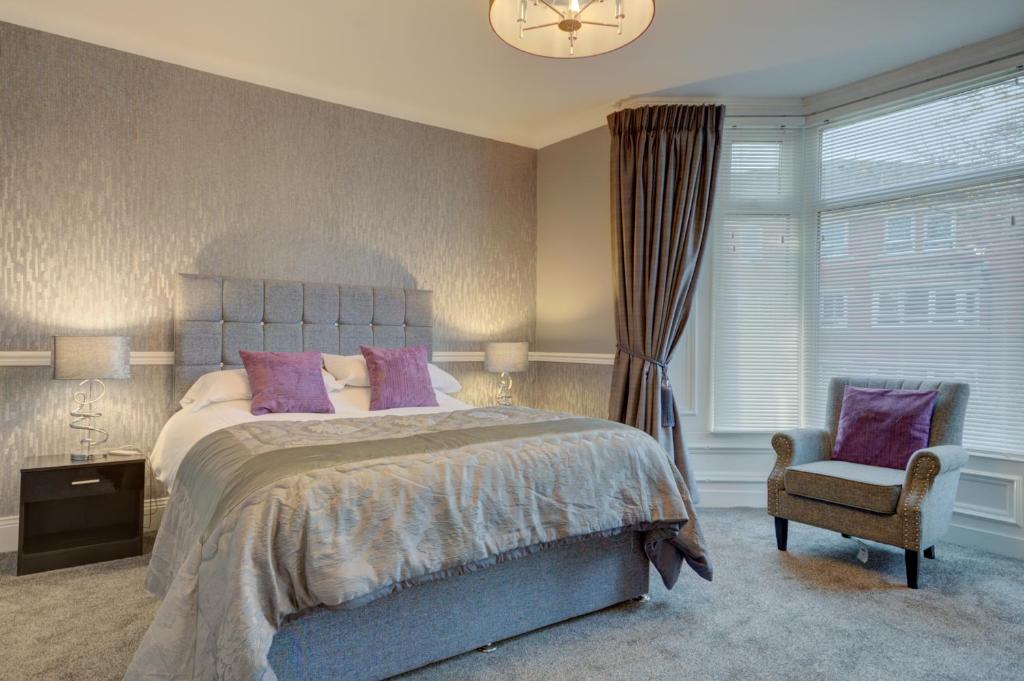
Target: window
{"x":755,"y":170}
{"x":887,"y":308}
{"x":954,"y":167}
{"x":902,"y":254}
{"x":833,"y":240}
{"x":833,"y":310}
{"x":966,"y":308}
{"x":922,"y":308}
{"x":938,"y":231}
{"x":756,"y":299}
{"x":899,"y":234}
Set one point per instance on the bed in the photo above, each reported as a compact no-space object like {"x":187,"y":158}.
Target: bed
{"x":360,"y":545}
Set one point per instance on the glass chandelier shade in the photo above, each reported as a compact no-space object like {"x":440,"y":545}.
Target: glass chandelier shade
{"x":566,"y":29}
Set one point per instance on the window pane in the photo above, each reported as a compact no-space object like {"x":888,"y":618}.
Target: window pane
{"x":899,"y":234}
{"x":952,"y":311}
{"x":938,"y":231}
{"x":755,"y":170}
{"x":833,"y":239}
{"x":968,"y":134}
{"x":756,"y":264}
{"x":756,"y":313}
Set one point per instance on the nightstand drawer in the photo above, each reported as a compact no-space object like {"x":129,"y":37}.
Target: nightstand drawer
{"x":80,"y":481}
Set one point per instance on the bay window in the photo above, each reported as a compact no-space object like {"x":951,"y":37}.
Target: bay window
{"x":906,"y":259}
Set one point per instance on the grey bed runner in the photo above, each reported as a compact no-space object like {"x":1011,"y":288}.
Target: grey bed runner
{"x":269,"y":518}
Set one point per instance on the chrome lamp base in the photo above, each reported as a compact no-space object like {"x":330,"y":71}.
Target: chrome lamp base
{"x":87,"y":456}
{"x":83,"y":418}
{"x":504,"y":395}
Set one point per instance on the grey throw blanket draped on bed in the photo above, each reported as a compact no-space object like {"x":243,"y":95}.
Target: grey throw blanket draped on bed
{"x":268,"y":518}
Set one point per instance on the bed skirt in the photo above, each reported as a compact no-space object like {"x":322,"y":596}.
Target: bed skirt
{"x":441,"y":619}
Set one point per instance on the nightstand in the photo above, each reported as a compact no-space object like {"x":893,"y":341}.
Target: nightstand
{"x":73,"y":513}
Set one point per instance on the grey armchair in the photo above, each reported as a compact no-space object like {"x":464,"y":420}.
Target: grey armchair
{"x":910,"y":509}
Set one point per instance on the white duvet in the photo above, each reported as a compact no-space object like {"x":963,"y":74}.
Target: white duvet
{"x":183,"y":430}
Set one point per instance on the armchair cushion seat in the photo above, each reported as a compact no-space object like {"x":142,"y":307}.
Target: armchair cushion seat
{"x":870,"y":488}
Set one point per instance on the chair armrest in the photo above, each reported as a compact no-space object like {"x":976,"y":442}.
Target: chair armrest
{"x":929,"y":492}
{"x":793,"y":447}
{"x":933,"y":461}
{"x":801,"y":445}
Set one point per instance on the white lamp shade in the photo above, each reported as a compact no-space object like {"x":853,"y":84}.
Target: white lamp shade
{"x":499,"y":357}
{"x":82,"y":357}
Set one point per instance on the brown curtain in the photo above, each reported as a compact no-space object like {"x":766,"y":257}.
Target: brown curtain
{"x":664,"y":168}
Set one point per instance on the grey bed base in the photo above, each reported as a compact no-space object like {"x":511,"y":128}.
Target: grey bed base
{"x":438,"y":620}
{"x":215,"y":317}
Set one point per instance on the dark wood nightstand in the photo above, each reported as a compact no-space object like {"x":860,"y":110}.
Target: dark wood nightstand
{"x":73,"y":513}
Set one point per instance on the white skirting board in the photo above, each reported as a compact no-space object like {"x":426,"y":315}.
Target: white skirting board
{"x":8,"y":533}
{"x":734,"y":490}
{"x":993,"y":542}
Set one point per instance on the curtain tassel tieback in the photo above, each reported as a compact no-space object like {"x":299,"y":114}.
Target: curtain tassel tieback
{"x":668,"y":414}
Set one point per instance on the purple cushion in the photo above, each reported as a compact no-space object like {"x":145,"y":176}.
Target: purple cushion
{"x":286,"y":382}
{"x":398,"y":377}
{"x":880,"y":427}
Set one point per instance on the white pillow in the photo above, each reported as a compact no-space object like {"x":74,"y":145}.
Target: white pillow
{"x":442,"y":381}
{"x":231,"y":384}
{"x":350,"y":371}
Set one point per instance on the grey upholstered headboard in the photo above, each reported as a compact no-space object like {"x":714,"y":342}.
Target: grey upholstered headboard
{"x":215,"y":317}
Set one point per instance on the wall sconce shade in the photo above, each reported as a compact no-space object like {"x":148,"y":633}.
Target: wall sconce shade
{"x":511,"y":357}
{"x":83,"y":357}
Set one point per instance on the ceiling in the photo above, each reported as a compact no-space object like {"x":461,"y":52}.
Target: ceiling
{"x":437,"y":62}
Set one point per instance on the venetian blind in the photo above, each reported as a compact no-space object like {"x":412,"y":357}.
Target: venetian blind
{"x":918,"y":262}
{"x":756,"y":282}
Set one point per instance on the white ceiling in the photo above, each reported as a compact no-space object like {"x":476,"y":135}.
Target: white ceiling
{"x":437,"y":62}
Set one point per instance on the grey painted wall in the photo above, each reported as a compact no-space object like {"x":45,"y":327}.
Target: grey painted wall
{"x":116,"y":172}
{"x":575,"y":294}
{"x":575,"y":289}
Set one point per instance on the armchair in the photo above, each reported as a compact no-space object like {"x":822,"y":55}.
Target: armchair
{"x":910,"y":509}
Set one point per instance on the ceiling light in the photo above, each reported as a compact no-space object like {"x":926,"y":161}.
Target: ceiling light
{"x":570,"y":28}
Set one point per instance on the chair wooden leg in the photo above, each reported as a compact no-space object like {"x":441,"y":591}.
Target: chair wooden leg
{"x":930,"y":553}
{"x":913,"y":560}
{"x":781,"y":533}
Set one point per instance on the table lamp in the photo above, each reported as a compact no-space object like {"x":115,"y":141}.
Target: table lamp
{"x":506,"y":358}
{"x":89,"y":359}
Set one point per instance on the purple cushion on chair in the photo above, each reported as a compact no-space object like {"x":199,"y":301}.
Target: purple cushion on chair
{"x":286,"y":382}
{"x":398,"y":377}
{"x":881,"y":427}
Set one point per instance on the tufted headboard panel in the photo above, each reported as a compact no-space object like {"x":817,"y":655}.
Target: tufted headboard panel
{"x":215,"y":317}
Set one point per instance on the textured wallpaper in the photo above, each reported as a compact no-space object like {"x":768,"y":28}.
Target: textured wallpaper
{"x":116,"y":172}
{"x":581,"y":389}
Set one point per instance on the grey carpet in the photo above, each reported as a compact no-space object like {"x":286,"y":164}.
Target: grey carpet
{"x":812,"y":613}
